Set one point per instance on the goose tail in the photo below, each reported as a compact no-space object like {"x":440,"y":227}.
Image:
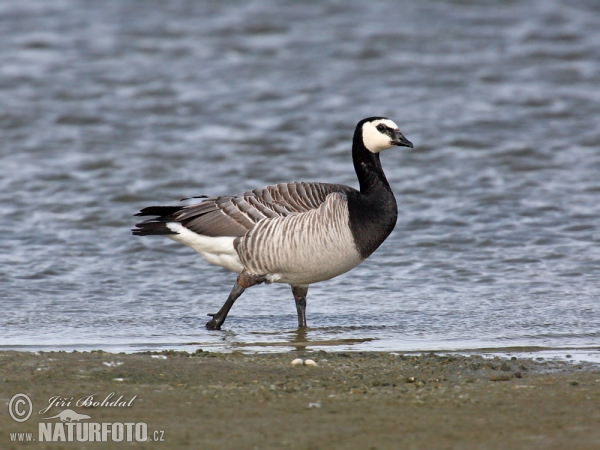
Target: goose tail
{"x":156,"y":226}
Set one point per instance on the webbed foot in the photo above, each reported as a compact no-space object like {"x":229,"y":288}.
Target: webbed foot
{"x":212,"y":324}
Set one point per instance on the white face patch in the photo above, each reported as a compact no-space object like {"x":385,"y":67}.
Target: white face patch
{"x":373,"y":139}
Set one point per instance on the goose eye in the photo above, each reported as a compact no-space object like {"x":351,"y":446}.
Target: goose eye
{"x":381,"y":128}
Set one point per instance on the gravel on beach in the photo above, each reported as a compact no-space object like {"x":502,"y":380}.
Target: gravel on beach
{"x":353,"y":400}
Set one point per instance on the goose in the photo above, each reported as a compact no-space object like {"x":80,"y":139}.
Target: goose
{"x":297,"y":233}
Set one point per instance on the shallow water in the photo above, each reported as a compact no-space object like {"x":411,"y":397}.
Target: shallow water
{"x":107,"y":107}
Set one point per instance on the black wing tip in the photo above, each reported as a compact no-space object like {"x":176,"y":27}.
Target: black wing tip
{"x":143,"y":232}
{"x":162,"y":211}
{"x":191,"y":198}
{"x":152,"y":227}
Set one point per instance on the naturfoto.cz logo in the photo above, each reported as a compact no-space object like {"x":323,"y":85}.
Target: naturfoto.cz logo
{"x":72,"y":426}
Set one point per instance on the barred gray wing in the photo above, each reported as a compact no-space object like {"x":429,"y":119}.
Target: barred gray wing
{"x":237,"y":214}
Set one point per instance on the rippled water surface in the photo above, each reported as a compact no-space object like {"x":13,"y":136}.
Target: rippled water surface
{"x":107,"y":107}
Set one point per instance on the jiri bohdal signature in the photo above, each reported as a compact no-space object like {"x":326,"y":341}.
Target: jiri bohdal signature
{"x":89,"y":401}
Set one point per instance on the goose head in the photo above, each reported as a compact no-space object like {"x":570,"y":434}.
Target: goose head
{"x":381,"y":133}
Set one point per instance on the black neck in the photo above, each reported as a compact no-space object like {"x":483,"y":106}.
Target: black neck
{"x":368,"y":167}
{"x":373,"y":211}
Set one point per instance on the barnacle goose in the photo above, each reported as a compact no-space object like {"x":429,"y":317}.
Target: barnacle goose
{"x":297,"y":233}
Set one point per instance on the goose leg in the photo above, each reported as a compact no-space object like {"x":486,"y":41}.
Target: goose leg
{"x":300,"y":297}
{"x":244,"y":281}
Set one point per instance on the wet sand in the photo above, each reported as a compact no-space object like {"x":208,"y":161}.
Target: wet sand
{"x":347,"y":401}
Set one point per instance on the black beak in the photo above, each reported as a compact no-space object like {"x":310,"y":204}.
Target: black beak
{"x":399,"y":140}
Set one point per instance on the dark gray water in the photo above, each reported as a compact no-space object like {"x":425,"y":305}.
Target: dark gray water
{"x":107,"y":107}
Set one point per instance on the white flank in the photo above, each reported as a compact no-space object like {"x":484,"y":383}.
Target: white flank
{"x":373,"y":139}
{"x":215,"y":250}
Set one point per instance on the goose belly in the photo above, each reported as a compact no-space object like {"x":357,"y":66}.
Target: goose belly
{"x":215,"y":250}
{"x":302,"y":248}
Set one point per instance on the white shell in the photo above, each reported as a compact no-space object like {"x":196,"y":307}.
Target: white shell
{"x":310,"y":362}
{"x":297,"y":362}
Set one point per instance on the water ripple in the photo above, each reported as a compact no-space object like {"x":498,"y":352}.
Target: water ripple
{"x":110,"y":107}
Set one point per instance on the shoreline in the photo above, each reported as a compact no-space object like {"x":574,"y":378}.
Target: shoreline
{"x":348,"y":400}
{"x":580,"y":355}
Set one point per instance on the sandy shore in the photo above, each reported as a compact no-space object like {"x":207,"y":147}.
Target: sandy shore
{"x":347,"y":401}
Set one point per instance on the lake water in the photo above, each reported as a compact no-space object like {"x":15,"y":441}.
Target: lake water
{"x":107,"y":107}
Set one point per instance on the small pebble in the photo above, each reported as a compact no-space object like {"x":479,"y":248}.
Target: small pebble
{"x":159,"y":356}
{"x":112,"y":364}
{"x":310,"y":362}
{"x":297,"y":362}
{"x":119,"y":379}
{"x":314,"y":405}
